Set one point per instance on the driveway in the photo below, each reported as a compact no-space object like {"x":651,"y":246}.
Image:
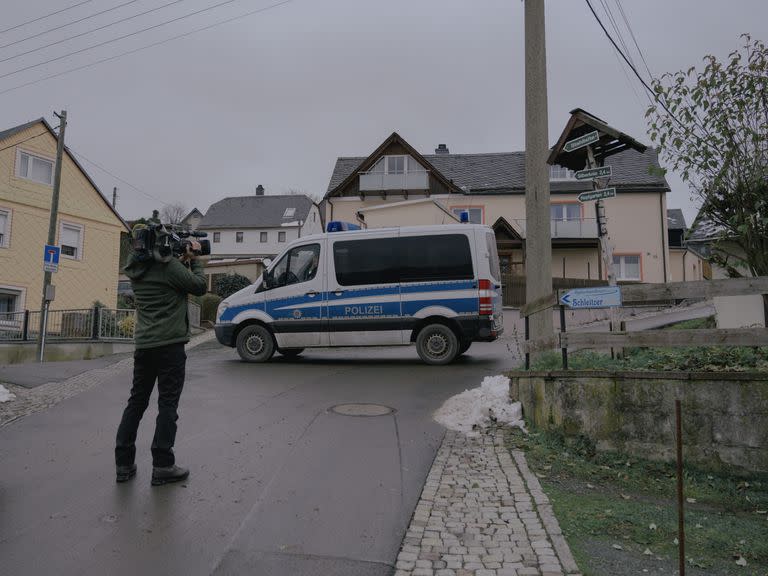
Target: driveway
{"x":280,"y":484}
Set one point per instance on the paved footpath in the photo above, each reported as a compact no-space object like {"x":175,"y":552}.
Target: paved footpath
{"x":483,"y":513}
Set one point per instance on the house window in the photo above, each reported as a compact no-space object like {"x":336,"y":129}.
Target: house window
{"x":5,"y":228}
{"x":11,"y":300}
{"x":560,"y":173}
{"x":216,"y":237}
{"x":281,"y":236}
{"x":263,"y":237}
{"x":289,"y":212}
{"x":239,"y":237}
{"x":627,"y":267}
{"x":71,"y":240}
{"x":34,"y":168}
{"x":569,"y":211}
{"x":475,"y":214}
{"x":396,"y":165}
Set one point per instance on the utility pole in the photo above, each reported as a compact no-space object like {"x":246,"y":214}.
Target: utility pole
{"x":538,"y":235}
{"x":52,"y":230}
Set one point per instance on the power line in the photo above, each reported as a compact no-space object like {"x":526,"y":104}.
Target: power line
{"x":22,"y":141}
{"x":44,"y":16}
{"x":626,"y":21}
{"x":616,"y":29}
{"x":90,"y":31}
{"x":120,"y":37}
{"x":67,"y":24}
{"x":152,"y":45}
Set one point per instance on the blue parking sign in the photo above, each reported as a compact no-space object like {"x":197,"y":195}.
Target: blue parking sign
{"x":51,"y":258}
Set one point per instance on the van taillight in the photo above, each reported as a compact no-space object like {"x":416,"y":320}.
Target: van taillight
{"x":486,"y":297}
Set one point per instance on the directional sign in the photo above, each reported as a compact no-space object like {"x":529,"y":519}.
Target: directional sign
{"x":51,"y":258}
{"x":593,"y":173}
{"x":597,"y":194}
{"x":581,"y":141}
{"x":602,"y":297}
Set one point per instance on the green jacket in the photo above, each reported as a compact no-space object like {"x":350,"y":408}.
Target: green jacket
{"x":160,"y":290}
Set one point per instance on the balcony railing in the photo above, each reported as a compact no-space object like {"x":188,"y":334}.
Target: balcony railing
{"x":412,"y":180}
{"x":559,"y":228}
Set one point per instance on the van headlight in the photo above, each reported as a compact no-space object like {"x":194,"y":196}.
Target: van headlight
{"x":220,"y":310}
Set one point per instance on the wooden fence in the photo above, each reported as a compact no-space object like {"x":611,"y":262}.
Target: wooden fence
{"x":641,"y":294}
{"x":513,"y":287}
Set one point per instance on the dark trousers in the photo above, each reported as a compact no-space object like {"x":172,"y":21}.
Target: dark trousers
{"x":165,"y":364}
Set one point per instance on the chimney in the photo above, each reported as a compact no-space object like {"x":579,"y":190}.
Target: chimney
{"x":259,"y":190}
{"x":441,"y":149}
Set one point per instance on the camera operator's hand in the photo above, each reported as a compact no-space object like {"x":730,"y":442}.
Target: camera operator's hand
{"x":189,"y":255}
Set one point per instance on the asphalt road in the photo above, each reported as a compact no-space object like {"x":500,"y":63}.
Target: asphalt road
{"x":280,"y":484}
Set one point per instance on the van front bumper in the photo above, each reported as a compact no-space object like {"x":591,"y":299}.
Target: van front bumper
{"x":225,"y":334}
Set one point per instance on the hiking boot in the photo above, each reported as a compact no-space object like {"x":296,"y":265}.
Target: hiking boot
{"x":125,"y":473}
{"x":168,"y":474}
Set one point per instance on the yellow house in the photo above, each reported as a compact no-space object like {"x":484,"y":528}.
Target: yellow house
{"x":396,"y":185}
{"x":87,"y":229}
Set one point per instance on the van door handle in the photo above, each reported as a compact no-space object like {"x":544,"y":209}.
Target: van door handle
{"x":311,"y":294}
{"x":338,"y":292}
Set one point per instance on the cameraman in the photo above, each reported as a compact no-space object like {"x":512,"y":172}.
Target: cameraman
{"x":162,"y":329}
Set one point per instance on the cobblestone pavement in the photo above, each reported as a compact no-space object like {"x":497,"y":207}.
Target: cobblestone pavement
{"x":483,"y":513}
{"x":29,"y":401}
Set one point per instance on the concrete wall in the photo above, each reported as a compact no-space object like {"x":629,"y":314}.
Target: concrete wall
{"x":725,"y":416}
{"x":740,"y":311}
{"x":78,"y":282}
{"x":22,"y":353}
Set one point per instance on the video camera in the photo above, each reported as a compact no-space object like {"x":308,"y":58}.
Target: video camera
{"x":162,"y":242}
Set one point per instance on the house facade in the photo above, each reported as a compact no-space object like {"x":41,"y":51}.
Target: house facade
{"x":87,"y":230}
{"x":243,"y":230}
{"x":490,"y":187}
{"x":685,"y":264}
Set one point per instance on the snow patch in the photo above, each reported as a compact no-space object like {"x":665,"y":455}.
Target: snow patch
{"x":481,"y":407}
{"x":5,"y":395}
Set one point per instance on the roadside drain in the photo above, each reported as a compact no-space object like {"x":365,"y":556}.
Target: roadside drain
{"x":362,"y":409}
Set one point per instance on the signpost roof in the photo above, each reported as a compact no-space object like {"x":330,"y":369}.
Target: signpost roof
{"x":582,"y":122}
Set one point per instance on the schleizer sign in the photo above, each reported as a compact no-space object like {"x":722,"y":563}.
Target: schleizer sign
{"x":603,"y":297}
{"x":596,"y":194}
{"x":581,"y":141}
{"x":591,"y":173}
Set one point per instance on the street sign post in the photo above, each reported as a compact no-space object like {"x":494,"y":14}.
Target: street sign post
{"x":592,"y":173}
{"x":597,"y":194}
{"x":581,"y":141}
{"x":51,"y":258}
{"x":602,"y":297}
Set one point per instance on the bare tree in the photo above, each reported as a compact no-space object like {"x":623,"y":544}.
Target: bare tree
{"x":173,"y":213}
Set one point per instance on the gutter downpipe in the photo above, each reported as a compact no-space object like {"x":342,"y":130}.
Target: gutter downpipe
{"x":663,"y":239}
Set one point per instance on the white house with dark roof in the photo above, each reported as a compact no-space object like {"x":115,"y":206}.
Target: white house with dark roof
{"x":491,"y":188}
{"x":258,"y":226}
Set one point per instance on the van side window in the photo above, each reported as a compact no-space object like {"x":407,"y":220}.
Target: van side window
{"x":299,"y":265}
{"x":359,"y":262}
{"x":433,"y":258}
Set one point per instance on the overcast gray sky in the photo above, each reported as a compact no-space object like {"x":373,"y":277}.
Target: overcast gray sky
{"x":275,"y":97}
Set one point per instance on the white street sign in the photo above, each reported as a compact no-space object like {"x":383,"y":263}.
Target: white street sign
{"x":601,"y":297}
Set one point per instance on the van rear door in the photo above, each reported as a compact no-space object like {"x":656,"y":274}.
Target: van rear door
{"x":490,"y":270}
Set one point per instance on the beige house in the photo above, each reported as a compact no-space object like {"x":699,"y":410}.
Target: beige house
{"x":396,"y":185}
{"x":88,"y":228}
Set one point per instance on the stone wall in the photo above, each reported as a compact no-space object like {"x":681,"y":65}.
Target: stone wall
{"x":724,"y":415}
{"x":23,"y":352}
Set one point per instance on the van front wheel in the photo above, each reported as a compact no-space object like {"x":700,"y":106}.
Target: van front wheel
{"x":437,"y":344}
{"x":255,"y":343}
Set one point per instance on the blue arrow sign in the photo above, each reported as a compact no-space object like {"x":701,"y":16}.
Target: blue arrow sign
{"x":602,"y":297}
{"x":51,"y":258}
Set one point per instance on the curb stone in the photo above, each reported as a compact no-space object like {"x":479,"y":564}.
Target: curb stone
{"x":483,"y":513}
{"x":28,"y":401}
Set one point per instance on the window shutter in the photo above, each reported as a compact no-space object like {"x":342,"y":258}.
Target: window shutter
{"x":70,"y":236}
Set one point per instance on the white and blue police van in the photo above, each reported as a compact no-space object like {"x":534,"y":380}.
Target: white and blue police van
{"x":438,"y":287}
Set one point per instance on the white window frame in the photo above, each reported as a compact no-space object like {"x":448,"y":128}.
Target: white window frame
{"x":22,"y":295}
{"x":564,"y":217}
{"x":263,"y":237}
{"x":281,"y":236}
{"x":19,"y":152}
{"x":289,"y":212}
{"x":217,"y":237}
{"x":81,"y":234}
{"x":5,"y":242}
{"x":407,"y":160}
{"x":619,"y":267}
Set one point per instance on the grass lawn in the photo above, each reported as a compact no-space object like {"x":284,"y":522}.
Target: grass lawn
{"x":619,"y":514}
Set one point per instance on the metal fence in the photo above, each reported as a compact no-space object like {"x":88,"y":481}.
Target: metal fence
{"x":79,"y":324}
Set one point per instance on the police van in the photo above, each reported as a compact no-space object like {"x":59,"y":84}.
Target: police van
{"x":437,"y":287}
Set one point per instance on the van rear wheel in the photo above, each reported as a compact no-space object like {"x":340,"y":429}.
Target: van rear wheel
{"x":437,"y":344}
{"x":255,"y":343}
{"x":464,"y":346}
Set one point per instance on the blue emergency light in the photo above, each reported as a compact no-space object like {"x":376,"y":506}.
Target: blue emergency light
{"x":464,"y":217}
{"x":339,"y":226}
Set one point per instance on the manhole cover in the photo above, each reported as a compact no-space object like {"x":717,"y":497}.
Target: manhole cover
{"x":362,"y":409}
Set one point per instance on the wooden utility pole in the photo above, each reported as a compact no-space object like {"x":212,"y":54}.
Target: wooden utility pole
{"x":52,"y":228}
{"x":538,"y":235}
